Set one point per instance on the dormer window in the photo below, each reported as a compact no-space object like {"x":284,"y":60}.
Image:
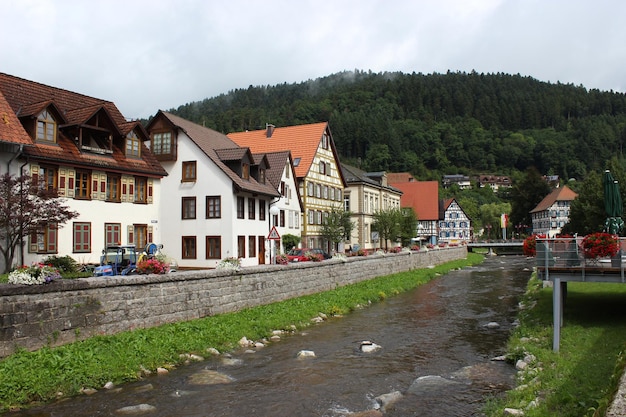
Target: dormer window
{"x":46,"y":127}
{"x":133,"y":147}
{"x":162,"y":143}
{"x":262,"y":176}
{"x":245,"y":171}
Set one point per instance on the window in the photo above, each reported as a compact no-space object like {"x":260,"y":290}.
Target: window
{"x":241,"y":246}
{"x":46,"y":127}
{"x":245,"y":171}
{"x":251,"y":246}
{"x":48,"y":178}
{"x":262,"y":176}
{"x":214,"y":247}
{"x":318,"y":190}
{"x":262,"y":210}
{"x":189,"y":247}
{"x":82,"y":237}
{"x":141,"y":188}
{"x":325,"y":141}
{"x":296,"y":162}
{"x":133,"y":145}
{"x":322,"y":167}
{"x":282,"y":218}
{"x":213,"y":207}
{"x":325,"y":192}
{"x":346,"y":202}
{"x":141,"y":235}
{"x":251,"y":208}
{"x":189,"y":171}
{"x":113,"y":188}
{"x":161,"y":143}
{"x":310,"y":188}
{"x":188,"y":208}
{"x":81,"y":190}
{"x":112,"y":234}
{"x":241,"y":202}
{"x":44,"y":240}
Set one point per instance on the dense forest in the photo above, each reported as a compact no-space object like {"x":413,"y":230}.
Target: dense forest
{"x":437,"y":124}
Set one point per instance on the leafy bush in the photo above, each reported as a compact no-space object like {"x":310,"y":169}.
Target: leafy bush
{"x":62,"y":263}
{"x":314,"y":257}
{"x":230,"y":263}
{"x":282,"y":259}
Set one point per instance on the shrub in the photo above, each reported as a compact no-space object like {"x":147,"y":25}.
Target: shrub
{"x":230,"y":263}
{"x":62,"y":263}
{"x":529,"y":247}
{"x":314,"y":257}
{"x":600,"y":245}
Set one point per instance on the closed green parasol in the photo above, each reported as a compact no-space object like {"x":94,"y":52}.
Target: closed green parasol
{"x":612,"y":204}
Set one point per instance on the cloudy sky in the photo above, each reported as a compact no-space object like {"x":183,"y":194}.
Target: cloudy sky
{"x":147,"y":55}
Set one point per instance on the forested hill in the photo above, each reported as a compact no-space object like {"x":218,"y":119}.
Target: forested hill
{"x":438,"y":123}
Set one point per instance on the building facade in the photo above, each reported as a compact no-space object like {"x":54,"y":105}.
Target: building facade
{"x":97,"y":161}
{"x":316,"y":162}
{"x":454,"y":224}
{"x":552,"y":213}
{"x":366,"y":193}
{"x":216,"y":195}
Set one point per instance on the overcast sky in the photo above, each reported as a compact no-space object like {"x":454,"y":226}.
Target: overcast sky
{"x":147,"y":55}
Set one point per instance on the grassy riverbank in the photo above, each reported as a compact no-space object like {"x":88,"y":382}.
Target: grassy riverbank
{"x":581,"y":378}
{"x":46,"y":374}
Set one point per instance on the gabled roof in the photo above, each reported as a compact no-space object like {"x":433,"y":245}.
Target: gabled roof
{"x":558,"y":194}
{"x":11,"y":130}
{"x":233,"y":154}
{"x":274,"y":173}
{"x":211,"y":143}
{"x":354,"y":175}
{"x":28,"y":98}
{"x":445,"y":204}
{"x":423,"y":196}
{"x":302,"y":141}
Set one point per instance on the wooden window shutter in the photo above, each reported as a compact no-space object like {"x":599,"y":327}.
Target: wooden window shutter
{"x":71,"y":178}
{"x":150,"y":234}
{"x":150,"y":191}
{"x":52,"y":238}
{"x":62,"y":182}
{"x":131,"y":234}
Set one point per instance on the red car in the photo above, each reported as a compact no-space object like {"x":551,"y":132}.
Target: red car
{"x":300,"y":255}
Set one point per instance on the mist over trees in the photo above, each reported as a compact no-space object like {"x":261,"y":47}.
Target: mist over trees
{"x":438,"y":124}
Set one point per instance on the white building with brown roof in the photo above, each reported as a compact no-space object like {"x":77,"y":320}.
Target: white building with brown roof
{"x":97,"y":161}
{"x":552,"y":213}
{"x":217,"y":195}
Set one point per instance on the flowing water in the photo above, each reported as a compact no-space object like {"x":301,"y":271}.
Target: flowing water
{"x":436,"y":351}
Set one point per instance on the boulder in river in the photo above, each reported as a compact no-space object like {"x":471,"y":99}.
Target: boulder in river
{"x":136,"y":409}
{"x":209,"y":377}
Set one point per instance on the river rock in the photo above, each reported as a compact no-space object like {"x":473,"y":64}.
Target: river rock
{"x":305,"y":354}
{"x":136,"y":409}
{"x":212,"y":351}
{"x":109,"y":385}
{"x":228,"y":361}
{"x":162,"y":371}
{"x":181,"y":393}
{"x":244,"y":342}
{"x":368,"y":347}
{"x":513,"y":412}
{"x":429,"y":382}
{"x":492,"y":325}
{"x":209,"y":377}
{"x":387,"y":400}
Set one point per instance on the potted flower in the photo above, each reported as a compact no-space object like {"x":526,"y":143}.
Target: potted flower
{"x":600,"y":245}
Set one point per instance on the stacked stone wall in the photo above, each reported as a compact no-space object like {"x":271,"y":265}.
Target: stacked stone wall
{"x":68,"y":310}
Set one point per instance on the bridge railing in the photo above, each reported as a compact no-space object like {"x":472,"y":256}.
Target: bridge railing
{"x":567,"y":252}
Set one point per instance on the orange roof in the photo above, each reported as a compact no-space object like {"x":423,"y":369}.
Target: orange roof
{"x":558,"y":194}
{"x":302,"y":141}
{"x":11,"y":130}
{"x":423,"y":196}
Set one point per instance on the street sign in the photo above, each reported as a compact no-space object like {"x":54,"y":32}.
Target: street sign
{"x":273,"y":234}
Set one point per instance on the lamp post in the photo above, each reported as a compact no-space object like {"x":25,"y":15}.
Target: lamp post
{"x":273,"y":212}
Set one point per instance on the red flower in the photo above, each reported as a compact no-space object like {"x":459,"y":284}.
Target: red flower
{"x":600,"y":245}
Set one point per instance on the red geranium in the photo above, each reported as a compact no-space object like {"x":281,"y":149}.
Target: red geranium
{"x":600,"y":245}
{"x":529,"y":247}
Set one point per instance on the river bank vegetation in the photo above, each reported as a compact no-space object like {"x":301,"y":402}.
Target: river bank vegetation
{"x":580,"y":379}
{"x":28,"y":378}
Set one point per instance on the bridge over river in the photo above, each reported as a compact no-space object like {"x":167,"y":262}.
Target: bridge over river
{"x":511,"y":247}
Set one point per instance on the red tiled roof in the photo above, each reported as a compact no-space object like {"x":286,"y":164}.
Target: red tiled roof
{"x":211,"y":143}
{"x":558,"y":194}
{"x":423,"y":196}
{"x":302,"y":141}
{"x":11,"y":130}
{"x":28,"y":98}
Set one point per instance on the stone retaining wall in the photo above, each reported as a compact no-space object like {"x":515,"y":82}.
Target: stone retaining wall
{"x":69,"y":310}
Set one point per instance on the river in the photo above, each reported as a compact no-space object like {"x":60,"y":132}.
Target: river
{"x":436,"y":343}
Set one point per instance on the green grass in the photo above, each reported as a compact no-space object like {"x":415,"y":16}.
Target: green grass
{"x":582,"y":377}
{"x":30,"y":377}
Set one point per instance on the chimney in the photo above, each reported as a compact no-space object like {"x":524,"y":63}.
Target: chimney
{"x":269,"y":129}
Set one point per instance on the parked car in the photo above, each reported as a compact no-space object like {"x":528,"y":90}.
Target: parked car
{"x":300,"y":255}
